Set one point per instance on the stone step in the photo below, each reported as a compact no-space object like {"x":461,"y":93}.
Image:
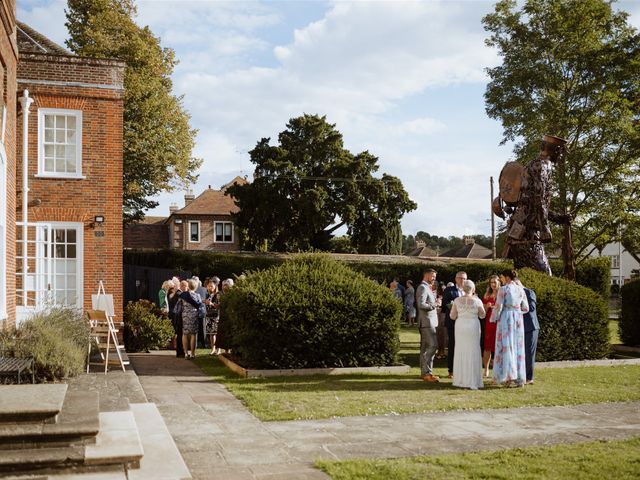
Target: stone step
{"x":31,"y":403}
{"x":117,"y":447}
{"x":162,"y":459}
{"x":77,"y":423}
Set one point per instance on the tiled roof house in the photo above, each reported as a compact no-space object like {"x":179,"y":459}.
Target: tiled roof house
{"x":67,"y":133}
{"x":204,"y":223}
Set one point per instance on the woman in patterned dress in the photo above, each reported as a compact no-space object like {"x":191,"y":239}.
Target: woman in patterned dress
{"x":190,"y":302}
{"x":509,"y":363}
{"x":212,"y":301}
{"x":489,"y":302}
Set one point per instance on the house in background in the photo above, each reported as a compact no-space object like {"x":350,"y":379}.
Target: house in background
{"x":624,"y":265}
{"x":61,"y":228}
{"x":470,"y":249}
{"x":204,"y":223}
{"x":421,"y":250}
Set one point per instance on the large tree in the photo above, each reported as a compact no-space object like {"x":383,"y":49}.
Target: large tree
{"x":572,"y":68}
{"x":158,"y":140}
{"x":310,"y":185}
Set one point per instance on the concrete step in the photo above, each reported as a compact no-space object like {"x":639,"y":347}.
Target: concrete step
{"x":77,"y":423}
{"x":162,"y":459}
{"x":117,"y":447}
{"x":31,"y":403}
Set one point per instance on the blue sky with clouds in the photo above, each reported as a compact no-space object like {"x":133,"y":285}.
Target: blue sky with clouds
{"x":404,"y":80}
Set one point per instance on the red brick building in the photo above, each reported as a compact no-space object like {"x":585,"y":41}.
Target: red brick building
{"x":8,"y":66}
{"x":70,"y":128}
{"x":204,"y":223}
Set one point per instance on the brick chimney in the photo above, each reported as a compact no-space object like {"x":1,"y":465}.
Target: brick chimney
{"x":173,"y":208}
{"x":420,"y":244}
{"x":469,"y":240}
{"x":189,"y":197}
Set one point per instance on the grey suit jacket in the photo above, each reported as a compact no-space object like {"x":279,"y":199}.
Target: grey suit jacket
{"x":426,"y":302}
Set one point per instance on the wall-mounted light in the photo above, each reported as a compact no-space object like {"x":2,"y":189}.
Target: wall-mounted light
{"x":178,"y":221}
{"x":98,"y":220}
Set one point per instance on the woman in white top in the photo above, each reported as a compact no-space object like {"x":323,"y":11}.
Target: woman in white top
{"x":467,"y":362}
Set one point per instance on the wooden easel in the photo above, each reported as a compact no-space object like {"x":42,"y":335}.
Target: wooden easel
{"x":103,"y":327}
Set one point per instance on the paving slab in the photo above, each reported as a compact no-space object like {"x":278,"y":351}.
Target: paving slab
{"x":239,"y":446}
{"x":27,"y":403}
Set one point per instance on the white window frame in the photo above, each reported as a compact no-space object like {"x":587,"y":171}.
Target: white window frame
{"x":3,"y":232}
{"x":615,"y":262}
{"x":79,"y":228}
{"x":215,"y":235}
{"x":191,"y":222}
{"x":59,"y":111}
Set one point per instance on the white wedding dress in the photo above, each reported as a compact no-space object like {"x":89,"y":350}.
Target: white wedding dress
{"x":467,"y":360}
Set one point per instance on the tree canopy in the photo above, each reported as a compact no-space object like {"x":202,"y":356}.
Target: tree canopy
{"x":572,"y":69}
{"x":158,"y":140}
{"x":310,"y":185}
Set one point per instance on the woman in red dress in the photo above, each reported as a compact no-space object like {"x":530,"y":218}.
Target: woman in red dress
{"x":489,"y":301}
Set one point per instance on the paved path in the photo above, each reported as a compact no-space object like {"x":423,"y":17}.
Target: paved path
{"x":219,"y":438}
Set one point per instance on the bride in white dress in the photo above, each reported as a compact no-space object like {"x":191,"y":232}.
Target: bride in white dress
{"x":467,"y":360}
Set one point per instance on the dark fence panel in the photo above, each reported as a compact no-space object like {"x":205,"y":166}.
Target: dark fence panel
{"x":142,"y":282}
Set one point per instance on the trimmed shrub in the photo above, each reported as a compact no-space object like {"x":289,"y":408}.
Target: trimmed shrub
{"x":57,"y":339}
{"x":629,"y":324}
{"x":591,"y":272}
{"x":574,"y":323}
{"x":146,"y":327}
{"x":312,"y":311}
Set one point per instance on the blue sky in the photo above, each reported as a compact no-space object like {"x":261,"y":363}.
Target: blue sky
{"x":404,"y":80}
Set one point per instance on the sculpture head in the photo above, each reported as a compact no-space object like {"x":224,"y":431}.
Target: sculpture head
{"x":553,"y":146}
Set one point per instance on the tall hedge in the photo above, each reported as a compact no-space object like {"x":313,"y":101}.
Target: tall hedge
{"x":574,"y":321}
{"x":592,"y":272}
{"x":312,"y":311}
{"x":630,"y":313}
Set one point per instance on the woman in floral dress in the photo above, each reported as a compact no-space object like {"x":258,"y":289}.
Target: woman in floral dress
{"x":509,"y":363}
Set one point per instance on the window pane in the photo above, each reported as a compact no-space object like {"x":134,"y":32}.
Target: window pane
{"x":71,"y":160}
{"x":60,"y":135}
{"x":49,"y":151}
{"x":71,"y":123}
{"x":59,"y":165}
{"x":71,"y":251}
{"x":61,"y":297}
{"x":48,"y":135}
{"x":48,"y":121}
{"x":48,"y":165}
{"x":60,"y":151}
{"x":71,"y":297}
{"x":59,"y":251}
{"x":194,"y":232}
{"x":60,"y":123}
{"x":60,"y":236}
{"x":71,"y":137}
{"x":227,"y":229}
{"x":60,"y":266}
{"x":71,"y":266}
{"x":71,"y":236}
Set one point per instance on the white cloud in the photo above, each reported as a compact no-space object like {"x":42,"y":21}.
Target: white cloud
{"x":47,"y":18}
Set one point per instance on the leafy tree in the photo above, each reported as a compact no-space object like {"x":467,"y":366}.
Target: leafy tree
{"x":572,"y":68}
{"x":158,"y":140}
{"x":309,"y":185}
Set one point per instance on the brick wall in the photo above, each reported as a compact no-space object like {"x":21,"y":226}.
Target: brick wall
{"x":180,"y":237}
{"x":8,"y":64}
{"x":146,"y":236}
{"x":100,"y":192}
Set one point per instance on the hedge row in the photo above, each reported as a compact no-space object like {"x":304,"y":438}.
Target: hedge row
{"x":309,"y":312}
{"x":630,"y":313}
{"x":594,"y":273}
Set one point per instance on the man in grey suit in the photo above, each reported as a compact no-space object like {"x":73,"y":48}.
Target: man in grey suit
{"x":427,"y":323}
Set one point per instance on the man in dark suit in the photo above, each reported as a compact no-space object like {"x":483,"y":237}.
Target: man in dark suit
{"x":531,"y":328}
{"x":449,"y":295}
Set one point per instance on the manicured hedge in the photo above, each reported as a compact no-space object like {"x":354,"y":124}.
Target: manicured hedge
{"x":146,"y":327}
{"x":630,"y":319}
{"x":573,"y":319}
{"x":593,"y":272}
{"x":311,"y":311}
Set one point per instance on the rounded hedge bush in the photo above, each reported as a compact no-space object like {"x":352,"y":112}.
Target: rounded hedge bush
{"x":630,"y":313}
{"x":574,"y":320}
{"x":312,"y":312}
{"x":146,"y":327}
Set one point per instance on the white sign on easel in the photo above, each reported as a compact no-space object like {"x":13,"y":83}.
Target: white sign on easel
{"x":103,"y":301}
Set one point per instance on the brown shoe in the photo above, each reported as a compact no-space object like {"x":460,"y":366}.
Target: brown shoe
{"x":431,"y":378}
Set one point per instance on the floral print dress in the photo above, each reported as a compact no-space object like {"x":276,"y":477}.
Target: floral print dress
{"x":509,"y":363}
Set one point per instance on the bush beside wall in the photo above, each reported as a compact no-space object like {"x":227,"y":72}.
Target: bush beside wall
{"x":630,"y":313}
{"x":57,"y":339}
{"x":145,"y":327}
{"x":310,"y":312}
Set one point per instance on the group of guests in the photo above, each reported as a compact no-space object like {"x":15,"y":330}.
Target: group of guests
{"x":194,"y":311}
{"x":510,"y":329}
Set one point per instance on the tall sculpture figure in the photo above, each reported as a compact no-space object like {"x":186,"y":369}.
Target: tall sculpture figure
{"x":526,"y":191}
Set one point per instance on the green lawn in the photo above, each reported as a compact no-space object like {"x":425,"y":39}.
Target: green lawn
{"x":310,"y":397}
{"x":614,"y":334}
{"x":597,"y":460}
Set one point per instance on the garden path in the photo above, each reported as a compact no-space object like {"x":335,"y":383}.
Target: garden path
{"x":219,"y":438}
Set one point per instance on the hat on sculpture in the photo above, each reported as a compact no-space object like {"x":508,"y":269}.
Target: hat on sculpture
{"x":553,"y":140}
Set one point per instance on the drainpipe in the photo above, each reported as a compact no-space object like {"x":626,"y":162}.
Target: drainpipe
{"x":26,"y":102}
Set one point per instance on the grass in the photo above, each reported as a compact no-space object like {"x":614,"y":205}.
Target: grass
{"x":586,"y":461}
{"x":312,"y":397}
{"x":614,"y":333}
